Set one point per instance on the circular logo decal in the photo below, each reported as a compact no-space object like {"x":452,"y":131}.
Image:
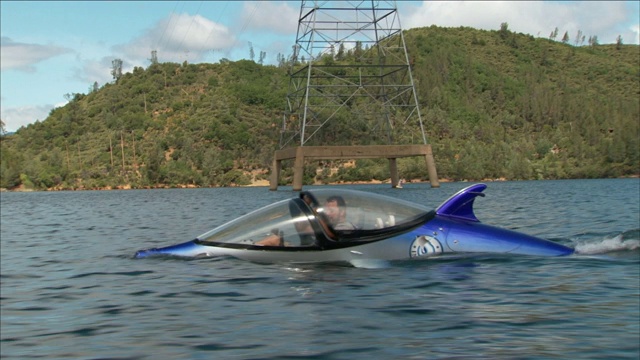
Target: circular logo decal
{"x":425,"y":245}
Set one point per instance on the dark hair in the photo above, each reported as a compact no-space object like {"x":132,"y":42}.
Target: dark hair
{"x":338,"y":199}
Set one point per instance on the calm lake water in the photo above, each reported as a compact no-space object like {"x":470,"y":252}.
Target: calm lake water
{"x":70,"y":288}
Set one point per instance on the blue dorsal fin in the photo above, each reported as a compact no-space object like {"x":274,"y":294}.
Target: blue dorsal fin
{"x":460,"y":205}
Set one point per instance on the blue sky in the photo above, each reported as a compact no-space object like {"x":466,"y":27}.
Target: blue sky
{"x":52,"y":48}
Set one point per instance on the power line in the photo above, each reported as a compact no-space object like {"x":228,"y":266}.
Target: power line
{"x":155,"y":47}
{"x":175,"y":23}
{"x":246,"y":23}
{"x":193,"y":19}
{"x":217,"y":21}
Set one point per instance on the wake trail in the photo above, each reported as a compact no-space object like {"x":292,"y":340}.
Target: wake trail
{"x":627,"y":241}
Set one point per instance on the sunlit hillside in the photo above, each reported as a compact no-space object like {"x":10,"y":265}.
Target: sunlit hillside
{"x":495,"y":104}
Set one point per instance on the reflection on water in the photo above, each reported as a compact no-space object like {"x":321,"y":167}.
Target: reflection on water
{"x":70,"y":288}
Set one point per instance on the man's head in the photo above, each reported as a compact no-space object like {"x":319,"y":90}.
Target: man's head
{"x":336,"y":209}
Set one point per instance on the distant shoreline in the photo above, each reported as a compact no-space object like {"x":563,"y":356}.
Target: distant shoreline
{"x":265,"y":183}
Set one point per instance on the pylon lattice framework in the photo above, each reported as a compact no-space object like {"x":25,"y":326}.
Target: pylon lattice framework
{"x":350,"y":71}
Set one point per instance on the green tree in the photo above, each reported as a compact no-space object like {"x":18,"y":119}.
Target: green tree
{"x":504,"y":30}
{"x":619,"y":42}
{"x":579,"y":38}
{"x":252,"y":54}
{"x":116,"y":69}
{"x":341,"y":52}
{"x":154,"y":57}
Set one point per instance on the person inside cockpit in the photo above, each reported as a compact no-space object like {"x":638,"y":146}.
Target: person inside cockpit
{"x":302,"y":234}
{"x":303,"y":228}
{"x":336,"y":210}
{"x":333,"y":216}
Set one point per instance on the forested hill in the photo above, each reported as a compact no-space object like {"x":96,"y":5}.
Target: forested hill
{"x":495,"y":105}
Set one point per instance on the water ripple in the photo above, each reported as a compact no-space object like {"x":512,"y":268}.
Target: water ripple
{"x":70,"y":288}
{"x":124,"y":273}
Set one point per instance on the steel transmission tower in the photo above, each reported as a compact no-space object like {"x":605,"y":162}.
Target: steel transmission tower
{"x":351,"y":92}
{"x":350,"y":74}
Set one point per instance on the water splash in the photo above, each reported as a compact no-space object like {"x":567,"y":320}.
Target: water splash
{"x":611,"y":244}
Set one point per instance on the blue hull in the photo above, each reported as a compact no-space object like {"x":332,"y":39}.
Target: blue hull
{"x":381,"y":228}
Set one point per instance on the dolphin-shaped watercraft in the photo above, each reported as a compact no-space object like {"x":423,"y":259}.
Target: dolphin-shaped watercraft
{"x":308,"y":228}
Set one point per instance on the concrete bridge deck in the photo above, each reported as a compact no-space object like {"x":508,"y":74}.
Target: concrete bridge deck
{"x":391,"y":152}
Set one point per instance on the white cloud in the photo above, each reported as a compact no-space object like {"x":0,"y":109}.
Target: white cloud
{"x":635,"y":30}
{"x":176,"y":38}
{"x":269,"y":26}
{"x":97,"y":70}
{"x":278,"y":17}
{"x":23,"y":56}
{"x":17,"y":117}
{"x":537,"y":18}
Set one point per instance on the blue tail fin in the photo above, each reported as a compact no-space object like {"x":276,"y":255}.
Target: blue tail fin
{"x":460,"y":205}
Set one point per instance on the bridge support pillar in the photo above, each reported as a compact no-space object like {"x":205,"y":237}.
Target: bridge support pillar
{"x":391,"y":152}
{"x":393,"y":170}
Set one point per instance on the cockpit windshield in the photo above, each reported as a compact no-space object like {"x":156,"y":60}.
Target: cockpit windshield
{"x":289,"y":219}
{"x":317,"y":216}
{"x":355,"y":210}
